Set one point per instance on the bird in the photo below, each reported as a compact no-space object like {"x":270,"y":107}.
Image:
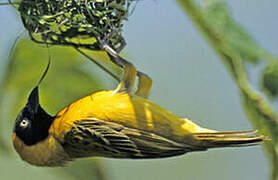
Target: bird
{"x":113,"y":124}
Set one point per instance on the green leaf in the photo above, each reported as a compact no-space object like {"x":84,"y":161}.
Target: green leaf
{"x":229,"y":32}
{"x":66,"y":81}
{"x":270,"y":79}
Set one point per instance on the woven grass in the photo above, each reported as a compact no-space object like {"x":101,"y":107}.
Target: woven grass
{"x":75,"y":22}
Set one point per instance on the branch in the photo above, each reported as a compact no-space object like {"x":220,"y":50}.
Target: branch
{"x":233,"y":53}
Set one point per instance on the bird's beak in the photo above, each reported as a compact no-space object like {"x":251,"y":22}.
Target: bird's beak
{"x":33,"y":100}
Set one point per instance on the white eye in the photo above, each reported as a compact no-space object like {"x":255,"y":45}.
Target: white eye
{"x":24,"y":123}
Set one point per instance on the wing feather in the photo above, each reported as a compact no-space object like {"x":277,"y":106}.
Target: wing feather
{"x":94,"y":137}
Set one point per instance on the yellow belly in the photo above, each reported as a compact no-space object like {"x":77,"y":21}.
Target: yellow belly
{"x":121,"y":108}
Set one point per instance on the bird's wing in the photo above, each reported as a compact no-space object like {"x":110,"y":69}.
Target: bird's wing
{"x":94,"y":137}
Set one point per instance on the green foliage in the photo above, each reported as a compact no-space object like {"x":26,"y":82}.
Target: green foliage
{"x":66,"y":81}
{"x":234,"y":46}
{"x":225,"y":29}
{"x":270,"y":79}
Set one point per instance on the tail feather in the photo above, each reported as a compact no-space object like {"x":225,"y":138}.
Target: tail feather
{"x":228,"y":139}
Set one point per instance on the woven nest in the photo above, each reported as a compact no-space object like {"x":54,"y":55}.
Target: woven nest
{"x":75,"y":22}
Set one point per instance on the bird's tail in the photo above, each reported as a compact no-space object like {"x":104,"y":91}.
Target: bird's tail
{"x":228,"y":139}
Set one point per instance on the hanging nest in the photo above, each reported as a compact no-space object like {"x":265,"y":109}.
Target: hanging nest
{"x":75,"y":22}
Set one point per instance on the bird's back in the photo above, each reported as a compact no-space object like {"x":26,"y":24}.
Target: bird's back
{"x":129,"y":111}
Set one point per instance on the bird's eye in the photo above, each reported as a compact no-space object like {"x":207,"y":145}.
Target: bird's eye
{"x":24,"y":123}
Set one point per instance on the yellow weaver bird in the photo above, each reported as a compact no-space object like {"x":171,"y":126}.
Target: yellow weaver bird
{"x":115,"y":124}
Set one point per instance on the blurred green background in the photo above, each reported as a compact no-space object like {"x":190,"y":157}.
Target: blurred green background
{"x":188,"y":79}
